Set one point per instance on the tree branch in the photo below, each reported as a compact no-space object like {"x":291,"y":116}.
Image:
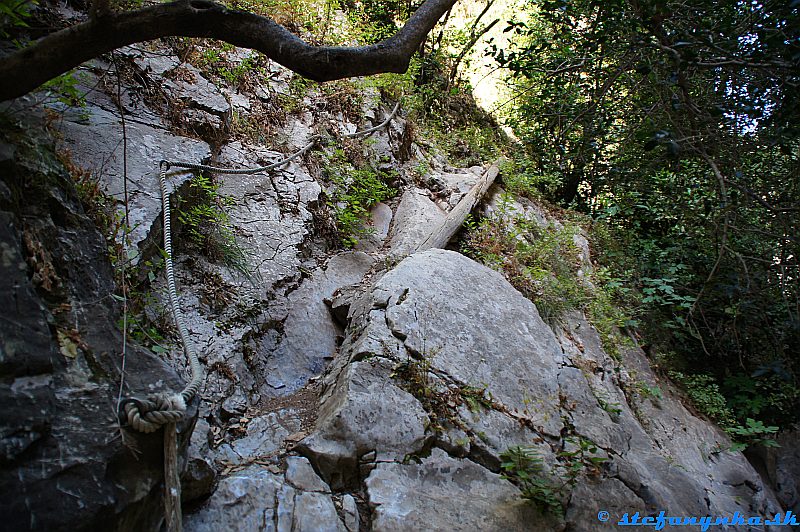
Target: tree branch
{"x":59,"y":52}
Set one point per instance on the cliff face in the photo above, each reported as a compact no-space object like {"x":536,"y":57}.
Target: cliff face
{"x":66,"y":463}
{"x":345,"y":390}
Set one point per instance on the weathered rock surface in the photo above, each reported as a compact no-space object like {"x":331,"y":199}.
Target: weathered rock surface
{"x":416,"y":215}
{"x":431,"y":370}
{"x":264,"y":438}
{"x":259,"y":499}
{"x":310,"y":332}
{"x":380,"y":221}
{"x":198,"y":477}
{"x":430,"y":360}
{"x":444,"y":493}
{"x":780,"y":467}
{"x":66,"y":464}
{"x":93,"y":137}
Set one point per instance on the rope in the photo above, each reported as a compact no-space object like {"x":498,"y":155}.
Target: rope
{"x":166,"y":410}
{"x":148,"y":415}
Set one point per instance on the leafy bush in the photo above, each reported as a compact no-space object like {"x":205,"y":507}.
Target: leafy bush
{"x":705,"y":394}
{"x":354,"y":191}
{"x":208,"y":225}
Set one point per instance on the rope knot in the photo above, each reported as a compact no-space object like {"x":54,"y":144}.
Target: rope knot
{"x":148,"y":415}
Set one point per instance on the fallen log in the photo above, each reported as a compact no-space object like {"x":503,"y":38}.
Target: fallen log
{"x":441,"y":234}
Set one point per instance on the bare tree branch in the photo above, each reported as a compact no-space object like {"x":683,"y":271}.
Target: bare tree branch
{"x":475,"y":38}
{"x":26,"y":69}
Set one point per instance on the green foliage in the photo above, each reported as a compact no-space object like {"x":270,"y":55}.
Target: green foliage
{"x":680,"y":134}
{"x":541,"y":262}
{"x":207,"y":224}
{"x":524,"y":467}
{"x":768,"y":394}
{"x":15,"y":13}
{"x":749,"y":397}
{"x":212,"y":57}
{"x":65,"y":89}
{"x":649,"y":391}
{"x":522,"y":178}
{"x":705,"y":394}
{"x":354,"y":191}
{"x":752,"y":433}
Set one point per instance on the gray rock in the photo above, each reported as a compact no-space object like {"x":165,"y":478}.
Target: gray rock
{"x":498,"y":342}
{"x":452,"y":186}
{"x":530,"y":387}
{"x":198,"y":478}
{"x":233,"y":406}
{"x":265,"y":436}
{"x":245,"y":502}
{"x":315,"y":511}
{"x":95,"y":144}
{"x":301,"y":475}
{"x":787,"y":469}
{"x":780,"y":466}
{"x":589,"y":498}
{"x":350,"y":510}
{"x":271,"y":212}
{"x":665,"y":455}
{"x":310,"y":332}
{"x":380,"y":219}
{"x":181,"y":81}
{"x":443,"y":493}
{"x":364,"y":412}
{"x":415,"y":217}
{"x":259,"y":500}
{"x":500,"y":203}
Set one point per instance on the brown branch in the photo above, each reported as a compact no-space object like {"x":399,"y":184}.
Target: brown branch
{"x":475,"y":38}
{"x":26,"y":69}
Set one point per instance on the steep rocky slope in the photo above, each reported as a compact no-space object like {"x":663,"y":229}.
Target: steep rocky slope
{"x":345,"y":390}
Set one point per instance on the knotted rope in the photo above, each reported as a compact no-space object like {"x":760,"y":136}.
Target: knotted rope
{"x":166,"y":409}
{"x":148,"y":415}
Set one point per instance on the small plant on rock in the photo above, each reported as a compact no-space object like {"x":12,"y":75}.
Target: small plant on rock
{"x":524,"y":467}
{"x":354,"y":191}
{"x":208,"y":224}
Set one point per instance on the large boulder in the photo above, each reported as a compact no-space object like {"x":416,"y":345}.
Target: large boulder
{"x":445,"y":366}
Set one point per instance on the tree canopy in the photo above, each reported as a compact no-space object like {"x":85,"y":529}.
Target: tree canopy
{"x":676,"y":123}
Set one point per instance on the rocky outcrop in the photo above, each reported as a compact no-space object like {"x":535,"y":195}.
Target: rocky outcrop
{"x":263,"y":498}
{"x":445,"y":366}
{"x":780,"y":467}
{"x":65,"y":461}
{"x":344,"y":391}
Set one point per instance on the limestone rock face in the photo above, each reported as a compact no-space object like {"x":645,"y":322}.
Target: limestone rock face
{"x":344,"y":390}
{"x":445,"y":493}
{"x":93,"y":135}
{"x":258,"y":499}
{"x":780,"y":467}
{"x":414,"y":217}
{"x":444,"y":356}
{"x":65,"y":463}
